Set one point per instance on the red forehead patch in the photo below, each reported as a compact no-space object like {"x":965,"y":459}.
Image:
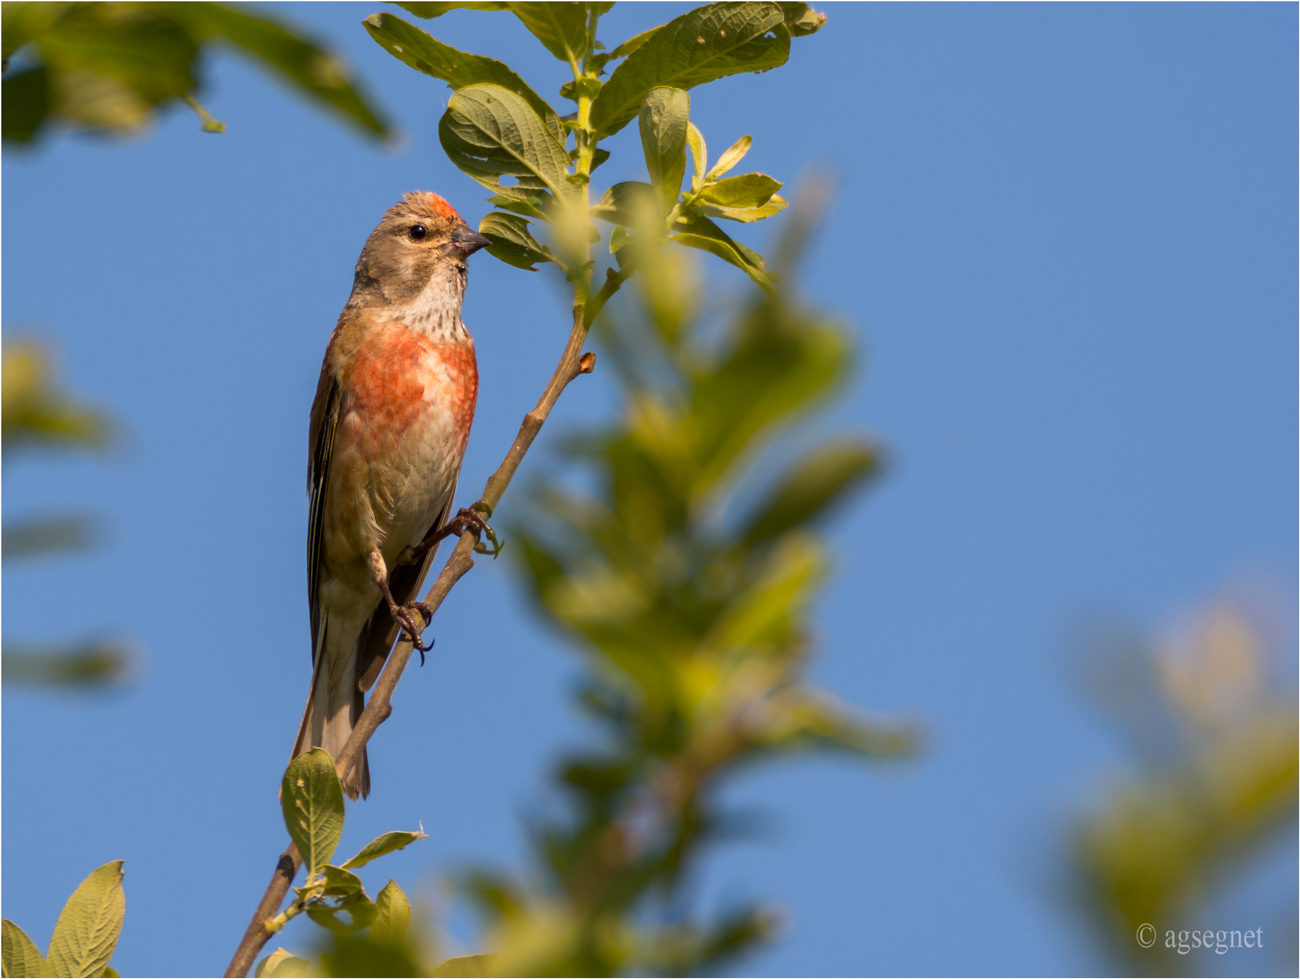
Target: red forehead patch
{"x":441,"y":207}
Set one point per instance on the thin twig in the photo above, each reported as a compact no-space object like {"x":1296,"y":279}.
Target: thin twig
{"x":572,"y":363}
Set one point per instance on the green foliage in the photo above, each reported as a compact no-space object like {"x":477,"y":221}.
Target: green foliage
{"x":1218,"y":781}
{"x":311,"y":800}
{"x":84,"y":936}
{"x":108,"y":67}
{"x":38,"y":414}
{"x":497,"y":127}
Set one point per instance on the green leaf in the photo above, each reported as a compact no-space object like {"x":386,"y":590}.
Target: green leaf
{"x":36,"y":411}
{"x":394,"y":915}
{"x":561,"y":27}
{"x":344,"y":887}
{"x":89,"y":665}
{"x":699,"y":152}
{"x":697,"y":47}
{"x":459,"y":69}
{"x":745,"y":190}
{"x":282,"y":962}
{"x":664,"y":117}
{"x":430,"y":10}
{"x":311,"y":797}
{"x":110,"y":973}
{"x":697,"y":231}
{"x":381,"y":845}
{"x":801,"y":19}
{"x":619,"y":238}
{"x":631,"y":44}
{"x":340,"y":882}
{"x":87,"y":931}
{"x":24,"y":104}
{"x":465,"y":967}
{"x":628,"y":202}
{"x":490,"y":131}
{"x":812,"y":485}
{"x":512,"y":241}
{"x":299,"y":60}
{"x":745,"y":214}
{"x":730,"y":157}
{"x":19,"y":954}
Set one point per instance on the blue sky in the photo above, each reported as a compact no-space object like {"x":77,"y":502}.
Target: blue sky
{"x":1065,"y":235}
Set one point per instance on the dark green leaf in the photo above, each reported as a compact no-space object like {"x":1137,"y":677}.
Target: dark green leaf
{"x":88,"y":928}
{"x":430,"y":10}
{"x":489,"y":131}
{"x":801,"y":19}
{"x":664,"y":117}
{"x":300,"y":61}
{"x":512,"y":241}
{"x":24,"y":104}
{"x":631,"y":44}
{"x":561,"y":27}
{"x":701,"y":45}
{"x":409,"y":44}
{"x":363,"y":955}
{"x":811,"y":486}
{"x":378,"y":847}
{"x":19,"y":954}
{"x":311,"y":798}
{"x":394,"y":915}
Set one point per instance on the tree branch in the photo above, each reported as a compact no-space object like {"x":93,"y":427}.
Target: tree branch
{"x":572,"y":363}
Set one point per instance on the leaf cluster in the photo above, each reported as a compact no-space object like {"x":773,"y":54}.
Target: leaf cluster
{"x":109,"y":67}
{"x":538,"y":164}
{"x":84,"y":936}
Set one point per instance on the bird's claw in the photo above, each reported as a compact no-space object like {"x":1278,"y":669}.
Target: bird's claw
{"x":475,"y":518}
{"x":408,"y":623}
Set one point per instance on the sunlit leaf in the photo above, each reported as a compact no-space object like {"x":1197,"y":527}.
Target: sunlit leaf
{"x":393,"y":916}
{"x":311,"y":799}
{"x":381,"y":845}
{"x":801,"y":19}
{"x":431,"y":10}
{"x":490,"y":132}
{"x":730,"y":157}
{"x":664,"y":117}
{"x":697,"y":231}
{"x":560,"y":26}
{"x":19,"y":954}
{"x":282,"y":963}
{"x":701,"y":45}
{"x":459,"y":69}
{"x":89,"y":926}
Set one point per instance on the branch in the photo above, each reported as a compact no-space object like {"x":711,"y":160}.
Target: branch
{"x":572,"y":363}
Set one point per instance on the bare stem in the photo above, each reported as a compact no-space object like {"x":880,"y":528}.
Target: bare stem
{"x":572,"y":363}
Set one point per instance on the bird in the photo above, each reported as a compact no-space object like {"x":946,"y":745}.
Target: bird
{"x":387,"y":435}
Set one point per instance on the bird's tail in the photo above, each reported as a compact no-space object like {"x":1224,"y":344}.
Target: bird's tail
{"x":334,"y":705}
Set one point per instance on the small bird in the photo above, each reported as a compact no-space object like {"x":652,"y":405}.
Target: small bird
{"x":388,"y":431}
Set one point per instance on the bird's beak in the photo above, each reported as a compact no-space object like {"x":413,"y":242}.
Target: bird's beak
{"x":468,"y":241}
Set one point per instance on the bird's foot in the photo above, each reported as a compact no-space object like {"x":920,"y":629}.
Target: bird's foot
{"x":474,"y":519}
{"x":405,"y":616}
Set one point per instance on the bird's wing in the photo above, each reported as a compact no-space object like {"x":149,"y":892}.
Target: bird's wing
{"x":324,"y":422}
{"x":404,"y":581}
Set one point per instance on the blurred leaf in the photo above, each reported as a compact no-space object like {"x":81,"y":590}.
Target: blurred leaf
{"x":489,"y":131}
{"x":625,"y":203}
{"x":393,"y":916}
{"x":282,"y":963}
{"x":311,"y":799}
{"x":91,"y":665}
{"x":298,"y":60}
{"x":91,"y":922}
{"x":703,"y":44}
{"x":466,"y":967}
{"x":513,"y":241}
{"x":25,"y":98}
{"x":809,"y":487}
{"x":561,"y":27}
{"x":381,"y":845}
{"x":664,"y":116}
{"x":358,"y":955}
{"x":34,"y":410}
{"x":28,"y":537}
{"x":414,"y":47}
{"x":19,"y":954}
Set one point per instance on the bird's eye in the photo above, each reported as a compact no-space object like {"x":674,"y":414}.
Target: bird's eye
{"x":418,"y":232}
